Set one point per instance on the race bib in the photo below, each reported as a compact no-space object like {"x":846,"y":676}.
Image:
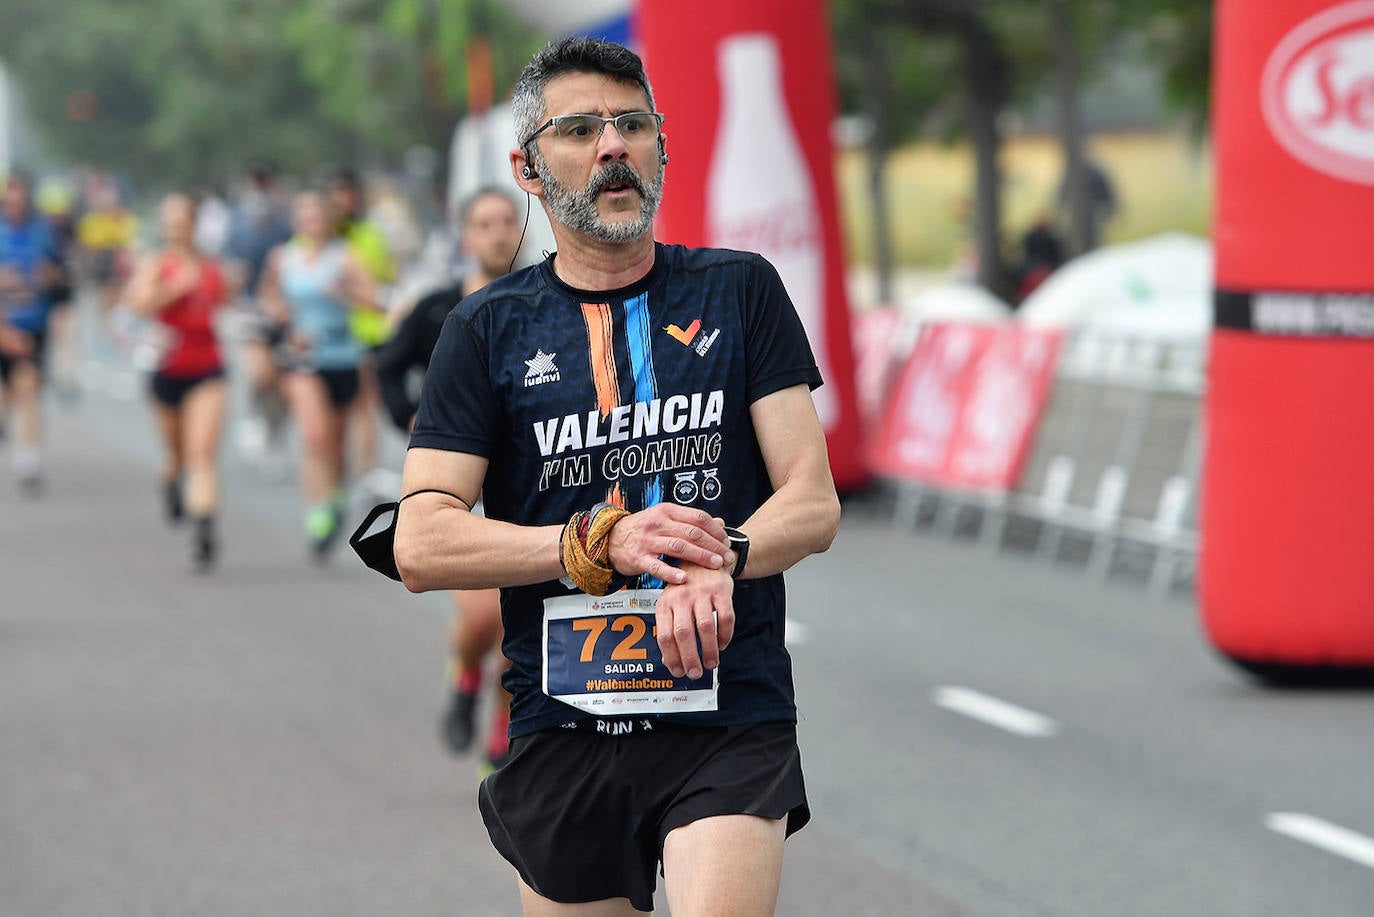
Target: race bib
{"x":601,"y":655}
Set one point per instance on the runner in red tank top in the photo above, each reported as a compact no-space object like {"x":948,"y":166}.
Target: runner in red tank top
{"x":191,"y":348}
{"x":181,"y":289}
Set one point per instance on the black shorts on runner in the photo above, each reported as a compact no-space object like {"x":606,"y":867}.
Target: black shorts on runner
{"x":171,"y":391}
{"x":582,"y":815}
{"x":38,"y":357}
{"x":341,"y":384}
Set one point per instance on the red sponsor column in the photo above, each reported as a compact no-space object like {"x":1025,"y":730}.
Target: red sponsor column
{"x":1287,"y":568}
{"x":748,"y":96}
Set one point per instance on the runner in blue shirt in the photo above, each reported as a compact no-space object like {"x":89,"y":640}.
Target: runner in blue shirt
{"x":30,"y":270}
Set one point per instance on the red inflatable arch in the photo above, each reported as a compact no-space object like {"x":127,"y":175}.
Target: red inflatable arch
{"x":1287,"y":565}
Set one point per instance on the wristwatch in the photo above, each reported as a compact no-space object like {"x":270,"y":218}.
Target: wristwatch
{"x":739,"y":543}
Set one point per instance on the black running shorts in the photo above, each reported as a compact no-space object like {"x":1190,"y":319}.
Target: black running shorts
{"x":582,"y":815}
{"x":171,"y":391}
{"x":341,"y":385}
{"x":38,"y":358}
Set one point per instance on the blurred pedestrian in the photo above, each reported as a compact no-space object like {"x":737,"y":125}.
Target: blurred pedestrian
{"x":1042,"y":253}
{"x":260,"y":221}
{"x":106,"y":233}
{"x":1099,"y":203}
{"x":310,"y":286}
{"x":489,"y":233}
{"x":31,"y":269}
{"x":181,"y":288}
{"x":57,"y":202}
{"x":369,"y":247}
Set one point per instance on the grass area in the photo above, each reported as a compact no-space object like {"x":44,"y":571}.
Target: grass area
{"x":1163,"y":182}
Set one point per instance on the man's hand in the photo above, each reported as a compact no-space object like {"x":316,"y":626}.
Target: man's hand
{"x":639,"y":542}
{"x":15,"y":343}
{"x":684,"y":613}
{"x":11,"y":281}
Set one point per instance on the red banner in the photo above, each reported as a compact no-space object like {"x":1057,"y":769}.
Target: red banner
{"x":875,"y":351}
{"x":749,"y":96}
{"x":1287,"y":493}
{"x":967,"y":405}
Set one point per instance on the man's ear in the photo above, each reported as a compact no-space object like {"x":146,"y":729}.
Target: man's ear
{"x":525,"y":174}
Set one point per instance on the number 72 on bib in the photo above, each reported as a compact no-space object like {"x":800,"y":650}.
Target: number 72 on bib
{"x":601,"y":655}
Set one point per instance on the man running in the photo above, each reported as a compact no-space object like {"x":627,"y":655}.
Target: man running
{"x":613,"y":405}
{"x":31,"y":270}
{"x":489,"y":227}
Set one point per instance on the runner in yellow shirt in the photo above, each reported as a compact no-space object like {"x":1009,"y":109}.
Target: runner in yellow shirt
{"x":369,"y":326}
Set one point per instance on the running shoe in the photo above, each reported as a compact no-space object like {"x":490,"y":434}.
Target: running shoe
{"x":31,"y":485}
{"x":203,"y":547}
{"x":171,"y":501}
{"x":457,"y":726}
{"x":323,"y":525}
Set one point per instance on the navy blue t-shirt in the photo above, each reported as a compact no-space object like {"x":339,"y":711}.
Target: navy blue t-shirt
{"x":632,"y":396}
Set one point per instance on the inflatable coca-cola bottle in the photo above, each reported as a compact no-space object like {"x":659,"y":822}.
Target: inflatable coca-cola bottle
{"x":758,"y":193}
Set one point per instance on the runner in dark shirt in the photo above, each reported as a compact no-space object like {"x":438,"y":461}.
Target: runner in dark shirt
{"x":618,"y":406}
{"x":489,"y":235}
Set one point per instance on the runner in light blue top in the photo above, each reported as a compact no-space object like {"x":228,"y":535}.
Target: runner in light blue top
{"x":309,"y":285}
{"x":311,"y":282}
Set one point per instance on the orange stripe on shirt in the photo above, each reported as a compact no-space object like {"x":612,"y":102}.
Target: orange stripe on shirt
{"x":601,"y":351}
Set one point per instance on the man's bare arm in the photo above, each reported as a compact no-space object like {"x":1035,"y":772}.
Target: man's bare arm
{"x":440,"y":544}
{"x":800,"y":518}
{"x":803,"y":514}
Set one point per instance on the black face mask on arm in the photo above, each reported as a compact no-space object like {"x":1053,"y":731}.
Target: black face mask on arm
{"x":377,"y":550}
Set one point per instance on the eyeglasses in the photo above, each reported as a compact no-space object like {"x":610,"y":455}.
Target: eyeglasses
{"x":633,"y":127}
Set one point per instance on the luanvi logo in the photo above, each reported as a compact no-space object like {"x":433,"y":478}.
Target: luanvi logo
{"x":692,"y":336}
{"x":1317,"y":91}
{"x":541,"y":369}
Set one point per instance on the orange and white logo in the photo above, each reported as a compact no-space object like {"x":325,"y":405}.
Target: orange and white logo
{"x":692,"y":336}
{"x":1317,"y":92}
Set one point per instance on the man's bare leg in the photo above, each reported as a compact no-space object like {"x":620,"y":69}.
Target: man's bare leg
{"x":725,"y":866}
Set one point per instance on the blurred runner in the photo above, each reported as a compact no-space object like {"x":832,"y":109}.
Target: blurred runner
{"x":181,"y":289}
{"x":31,"y":269}
{"x":57,"y":203}
{"x":490,"y":232}
{"x":106,"y":234}
{"x":309,"y":286}
{"x":259,"y":223}
{"x":368,"y":325}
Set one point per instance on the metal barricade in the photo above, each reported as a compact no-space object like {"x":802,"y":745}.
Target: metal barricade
{"x":1113,"y":471}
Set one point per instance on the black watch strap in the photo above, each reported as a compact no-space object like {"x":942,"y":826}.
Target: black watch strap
{"x":739,"y":543}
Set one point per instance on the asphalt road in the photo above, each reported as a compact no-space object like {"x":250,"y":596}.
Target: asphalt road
{"x":982,"y":736}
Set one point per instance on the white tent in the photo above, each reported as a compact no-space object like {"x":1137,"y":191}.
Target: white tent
{"x":955,"y":300}
{"x":1156,"y":287}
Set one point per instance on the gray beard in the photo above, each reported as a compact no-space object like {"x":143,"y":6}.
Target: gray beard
{"x":576,"y":208}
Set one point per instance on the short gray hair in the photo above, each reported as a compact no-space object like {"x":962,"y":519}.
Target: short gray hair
{"x":571,"y":55}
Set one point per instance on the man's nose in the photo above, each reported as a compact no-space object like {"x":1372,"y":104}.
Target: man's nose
{"x":610,"y":146}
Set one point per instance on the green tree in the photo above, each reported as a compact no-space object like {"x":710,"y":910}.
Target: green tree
{"x":188,"y":91}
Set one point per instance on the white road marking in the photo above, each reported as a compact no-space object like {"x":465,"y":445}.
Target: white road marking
{"x":795,"y":632}
{"x":1320,"y":833}
{"x":994,"y":712}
